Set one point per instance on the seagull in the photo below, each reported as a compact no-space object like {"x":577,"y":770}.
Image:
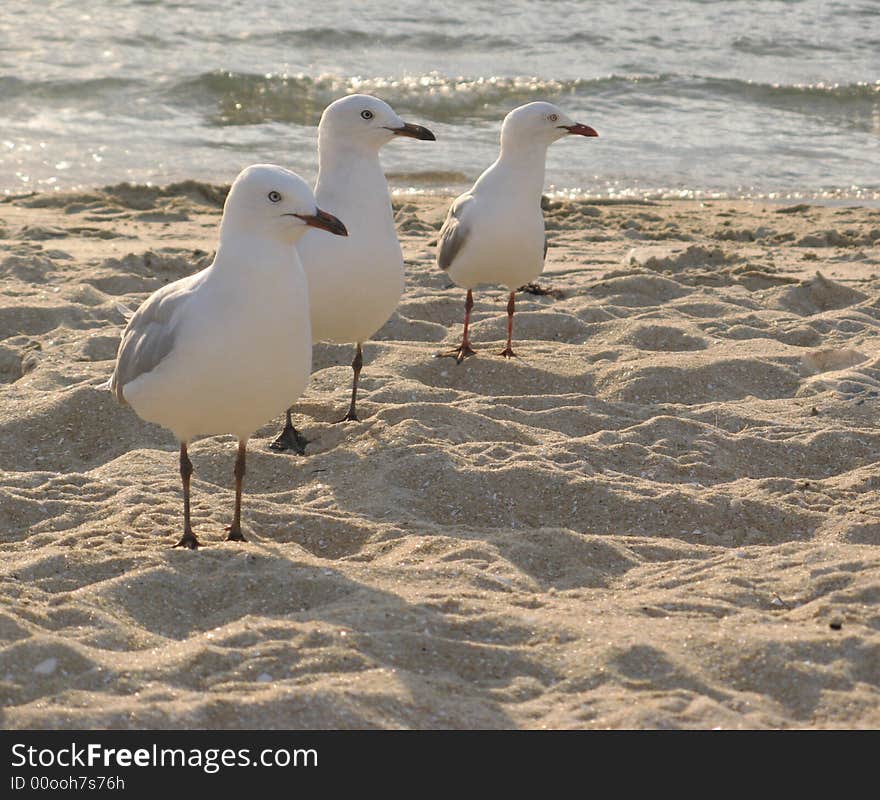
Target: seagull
{"x":494,"y":232}
{"x":354,"y":283}
{"x":200,"y":355}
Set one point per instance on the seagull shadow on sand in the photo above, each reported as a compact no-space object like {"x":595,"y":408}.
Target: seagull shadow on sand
{"x":270,"y":608}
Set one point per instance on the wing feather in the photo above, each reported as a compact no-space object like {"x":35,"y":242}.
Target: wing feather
{"x":454,"y":232}
{"x":150,"y":334}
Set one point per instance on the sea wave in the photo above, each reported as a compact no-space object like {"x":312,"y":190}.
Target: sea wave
{"x":243,"y":99}
{"x":225,"y":98}
{"x":320,"y":38}
{"x":784,"y":48}
{"x":12,"y":87}
{"x":246,"y":99}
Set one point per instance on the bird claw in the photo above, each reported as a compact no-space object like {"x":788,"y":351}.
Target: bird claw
{"x":351,"y":416}
{"x":290,"y":439}
{"x":189,"y":541}
{"x":507,"y":352}
{"x":459,"y":354}
{"x":235,"y":534}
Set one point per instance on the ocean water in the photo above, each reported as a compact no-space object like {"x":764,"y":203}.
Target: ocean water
{"x":770,"y":98}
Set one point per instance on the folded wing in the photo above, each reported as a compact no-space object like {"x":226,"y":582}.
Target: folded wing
{"x":454,"y":232}
{"x":150,"y":334}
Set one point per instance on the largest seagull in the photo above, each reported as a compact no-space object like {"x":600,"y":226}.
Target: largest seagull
{"x":494,"y":233}
{"x":200,"y":355}
{"x":354,"y":283}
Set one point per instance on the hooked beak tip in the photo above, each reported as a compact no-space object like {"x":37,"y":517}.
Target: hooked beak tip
{"x":412,"y":131}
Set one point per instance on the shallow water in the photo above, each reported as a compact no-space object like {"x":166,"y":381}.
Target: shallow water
{"x":739,"y":97}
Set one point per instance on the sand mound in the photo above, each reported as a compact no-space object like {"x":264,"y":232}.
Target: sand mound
{"x":816,"y":295}
{"x":676,"y":259}
{"x":829,"y":360}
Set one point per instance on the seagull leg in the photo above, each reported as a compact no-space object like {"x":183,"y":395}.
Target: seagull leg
{"x":356,"y":365}
{"x":186,"y":470}
{"x":235,"y":534}
{"x":507,"y":352}
{"x":290,"y":439}
{"x":464,"y":349}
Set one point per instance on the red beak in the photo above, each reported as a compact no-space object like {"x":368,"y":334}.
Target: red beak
{"x":581,"y":130}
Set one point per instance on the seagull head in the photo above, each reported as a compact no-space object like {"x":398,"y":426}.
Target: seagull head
{"x":266,"y":200}
{"x":365,"y":122}
{"x":540,"y":123}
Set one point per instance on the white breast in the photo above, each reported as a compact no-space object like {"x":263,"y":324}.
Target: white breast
{"x":241,"y":357}
{"x":355,"y":282}
{"x":504,"y":245}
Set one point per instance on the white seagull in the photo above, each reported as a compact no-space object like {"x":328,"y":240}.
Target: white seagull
{"x":494,"y":233}
{"x":354,"y":283}
{"x":200,"y":356}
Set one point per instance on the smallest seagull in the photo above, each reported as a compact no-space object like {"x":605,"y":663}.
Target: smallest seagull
{"x":494,"y":233}
{"x":200,"y":356}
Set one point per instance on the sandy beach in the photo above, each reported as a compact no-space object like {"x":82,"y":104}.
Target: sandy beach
{"x":663,"y":514}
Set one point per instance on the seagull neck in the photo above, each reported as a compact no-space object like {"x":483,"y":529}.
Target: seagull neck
{"x":348,"y":155}
{"x":525,"y":162}
{"x":349,"y":176}
{"x":254,"y":249}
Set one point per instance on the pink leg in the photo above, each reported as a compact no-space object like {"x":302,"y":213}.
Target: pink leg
{"x":464,"y":349}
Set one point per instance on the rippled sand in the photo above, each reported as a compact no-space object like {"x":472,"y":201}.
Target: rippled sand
{"x":665,"y":513}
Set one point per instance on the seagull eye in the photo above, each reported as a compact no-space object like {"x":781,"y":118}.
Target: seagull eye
{"x":274,"y":197}
{"x":367,"y":114}
{"x":553,"y":117}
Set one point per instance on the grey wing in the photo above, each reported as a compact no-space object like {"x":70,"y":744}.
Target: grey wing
{"x":150,"y":335}
{"x":454,"y":232}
